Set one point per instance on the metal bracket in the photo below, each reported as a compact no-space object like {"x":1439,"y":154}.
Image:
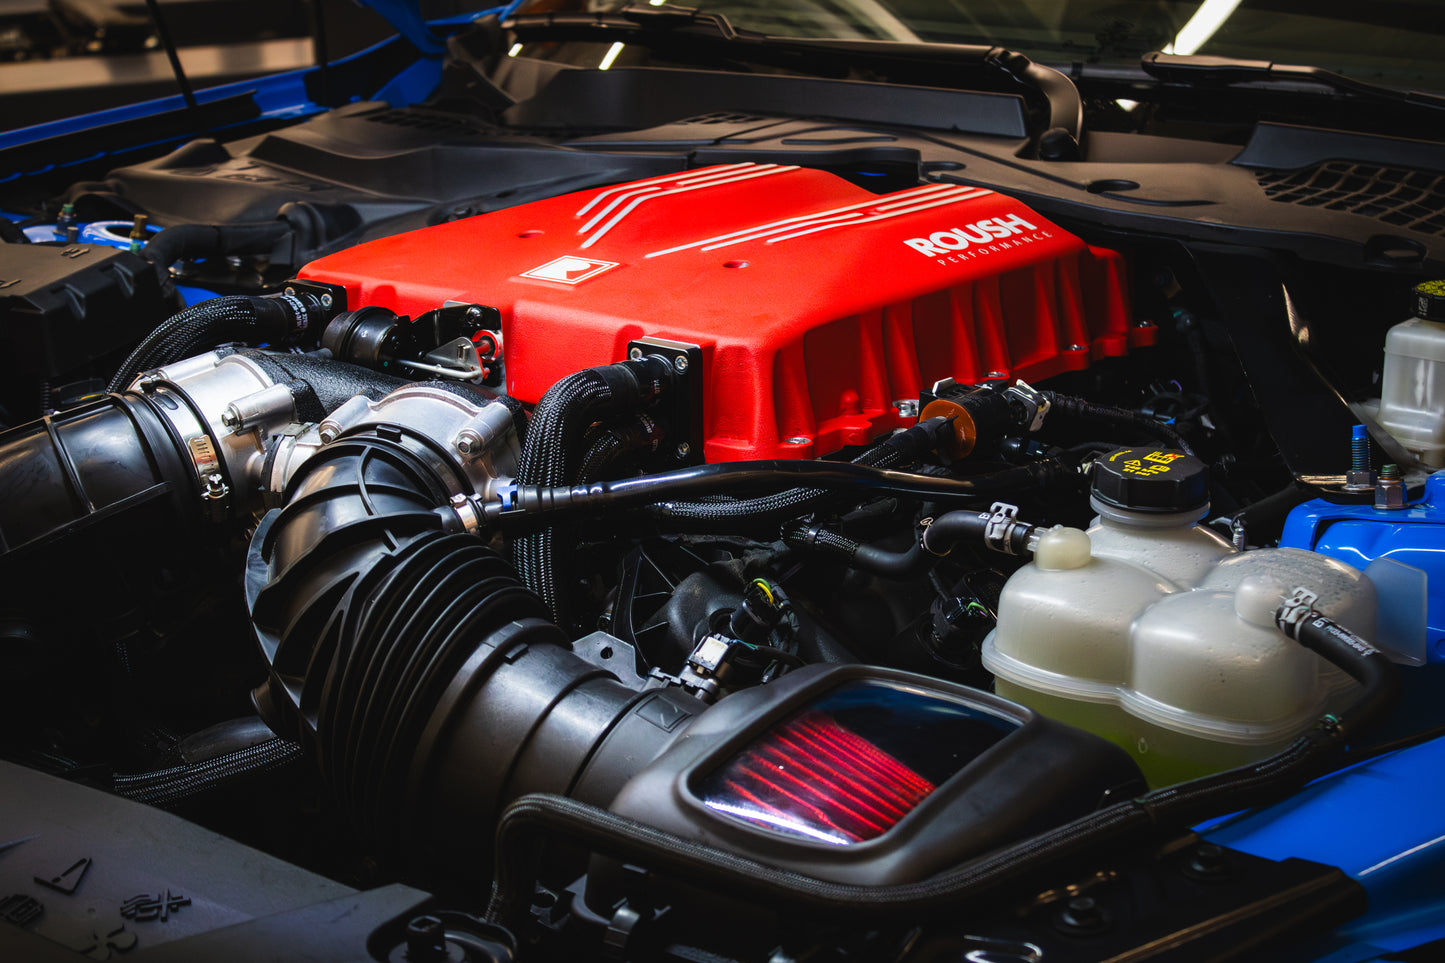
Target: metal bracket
{"x":681,"y":411}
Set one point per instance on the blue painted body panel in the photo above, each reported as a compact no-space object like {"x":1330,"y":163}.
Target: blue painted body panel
{"x":1359,"y":534}
{"x":1382,"y":823}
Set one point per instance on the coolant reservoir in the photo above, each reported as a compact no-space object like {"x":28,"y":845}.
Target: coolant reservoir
{"x":1148,"y":502}
{"x":1412,"y":385}
{"x":1156,"y":634}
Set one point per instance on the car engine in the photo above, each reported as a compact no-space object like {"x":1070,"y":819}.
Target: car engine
{"x":650,"y":514}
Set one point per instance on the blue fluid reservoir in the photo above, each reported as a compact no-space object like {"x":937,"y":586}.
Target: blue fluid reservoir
{"x":1360,"y":534}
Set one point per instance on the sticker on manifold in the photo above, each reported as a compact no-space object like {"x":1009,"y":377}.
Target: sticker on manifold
{"x":570,"y":269}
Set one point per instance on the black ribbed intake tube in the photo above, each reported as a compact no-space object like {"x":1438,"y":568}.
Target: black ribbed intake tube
{"x":428,"y":682}
{"x":553,"y":449}
{"x":766,"y":511}
{"x":1122,"y":417}
{"x":531,"y":821}
{"x":248,"y":319}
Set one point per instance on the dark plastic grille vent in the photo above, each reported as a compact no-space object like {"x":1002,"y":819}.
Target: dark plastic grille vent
{"x":432,"y":121}
{"x":724,"y":118}
{"x":1414,"y":200}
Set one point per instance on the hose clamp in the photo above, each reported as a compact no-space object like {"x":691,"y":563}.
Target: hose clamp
{"x":1292,"y":613}
{"x":469,"y":513}
{"x":998,"y":533}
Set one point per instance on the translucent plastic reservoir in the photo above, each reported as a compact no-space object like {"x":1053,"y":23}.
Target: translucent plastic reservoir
{"x":1412,"y":399}
{"x":1162,"y":639}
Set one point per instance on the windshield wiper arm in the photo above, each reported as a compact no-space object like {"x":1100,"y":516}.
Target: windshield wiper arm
{"x":1227,"y":70}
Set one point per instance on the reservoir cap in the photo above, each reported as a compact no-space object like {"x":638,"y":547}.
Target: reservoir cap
{"x":1430,"y":300}
{"x":1150,"y":480}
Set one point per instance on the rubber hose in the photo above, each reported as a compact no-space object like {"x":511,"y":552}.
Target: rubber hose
{"x":530,"y":820}
{"x":766,"y":511}
{"x":213,"y":322}
{"x":951,"y":528}
{"x":868,"y":558}
{"x":1119,"y":416}
{"x":535,"y":506}
{"x":189,"y":241}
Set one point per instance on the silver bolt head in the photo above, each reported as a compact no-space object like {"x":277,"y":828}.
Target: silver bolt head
{"x":326,"y":301}
{"x":683,"y":450}
{"x":230,"y":418}
{"x":634,"y":354}
{"x":798,"y":440}
{"x":680,"y":362}
{"x":327,"y":434}
{"x":907,"y":408}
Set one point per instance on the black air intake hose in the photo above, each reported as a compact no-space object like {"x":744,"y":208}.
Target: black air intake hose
{"x":253,"y":320}
{"x":764,"y":513}
{"x":554,"y":439}
{"x":531,"y":822}
{"x":108,"y":466}
{"x":427,"y":680}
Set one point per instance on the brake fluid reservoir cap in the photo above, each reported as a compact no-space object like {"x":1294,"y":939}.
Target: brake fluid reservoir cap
{"x":1430,"y":300}
{"x":1152,"y":480}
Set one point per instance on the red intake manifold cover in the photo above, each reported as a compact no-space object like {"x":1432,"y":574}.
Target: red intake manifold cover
{"x":817,"y":304}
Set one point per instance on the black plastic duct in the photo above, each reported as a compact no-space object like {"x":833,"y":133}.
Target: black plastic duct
{"x":429,"y":683}
{"x":112,"y":465}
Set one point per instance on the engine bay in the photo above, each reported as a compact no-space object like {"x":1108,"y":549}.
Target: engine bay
{"x":671,"y":514}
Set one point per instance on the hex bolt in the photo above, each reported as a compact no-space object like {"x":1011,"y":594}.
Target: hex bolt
{"x":1359,"y":478}
{"x":683,"y":450}
{"x":231,"y":418}
{"x":1390,"y":489}
{"x":468,"y":441}
{"x":1359,"y":448}
{"x":906,"y":407}
{"x":327,"y":433}
{"x":1082,"y":914}
{"x":426,"y":940}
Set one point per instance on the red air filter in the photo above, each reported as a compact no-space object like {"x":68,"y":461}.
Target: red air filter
{"x":814,"y":778}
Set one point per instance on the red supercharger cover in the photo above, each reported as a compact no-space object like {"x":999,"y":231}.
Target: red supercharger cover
{"x":817,"y":305}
